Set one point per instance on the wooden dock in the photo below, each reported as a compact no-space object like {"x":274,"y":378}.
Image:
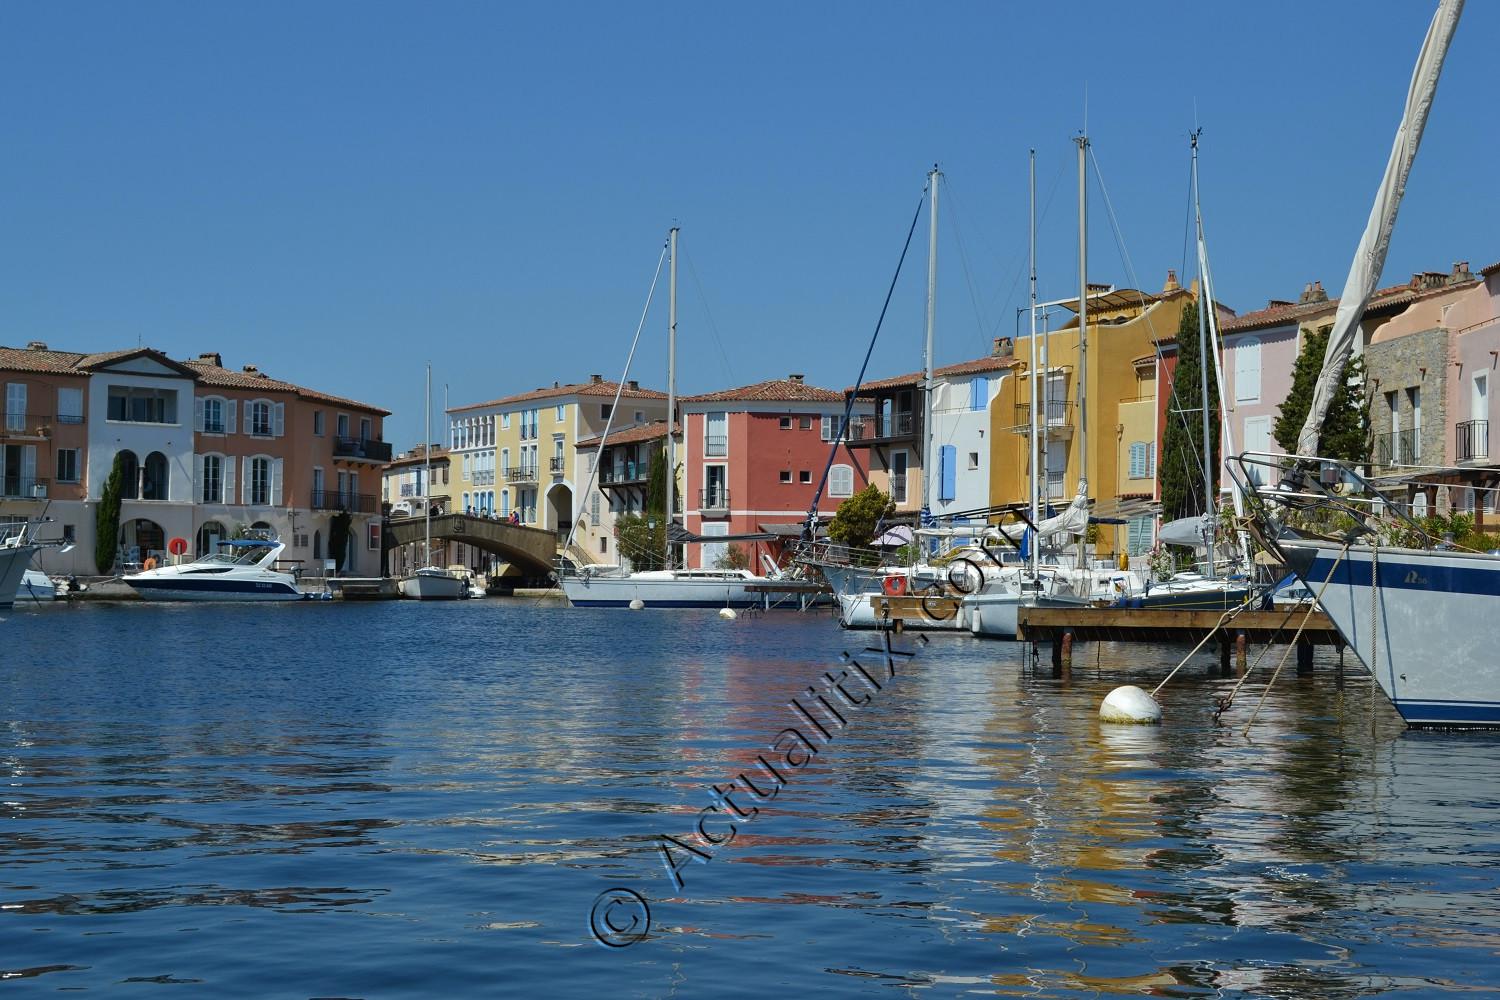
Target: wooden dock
{"x":1085,"y":624}
{"x":807,"y":593}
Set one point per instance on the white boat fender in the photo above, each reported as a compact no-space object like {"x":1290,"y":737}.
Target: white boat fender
{"x":727,"y":614}
{"x":1129,"y":705}
{"x":636,"y":604}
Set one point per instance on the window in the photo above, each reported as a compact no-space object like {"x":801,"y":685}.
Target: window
{"x":70,"y":406}
{"x":70,"y":534}
{"x":979,"y":392}
{"x":258,"y":418}
{"x":898,"y":476}
{"x":640,"y":416}
{"x":786,"y":475}
{"x":804,"y":476}
{"x":562,"y":412}
{"x":716,"y":435}
{"x":786,"y":423}
{"x":1257,"y":439}
{"x":342,"y":425}
{"x":505,"y":503}
{"x":1140,"y":460}
{"x":130,"y":475}
{"x":841,"y":481}
{"x":260,"y":481}
{"x":804,"y":423}
{"x":213,"y":416}
{"x":211,"y":479}
{"x":15,"y":406}
{"x":67,"y":465}
{"x":366,"y":428}
{"x":466,"y":466}
{"x":605,"y":409}
{"x":373,"y":536}
{"x":318,"y":423}
{"x":137,"y":405}
{"x":1247,"y":370}
{"x":1138,"y":535}
{"x":594,"y":509}
{"x":973,"y":460}
{"x":156,"y":477}
{"x":505,"y":421}
{"x":947,"y":472}
{"x":603,"y":543}
{"x":832,"y":427}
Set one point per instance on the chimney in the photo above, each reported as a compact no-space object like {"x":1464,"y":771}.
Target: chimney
{"x":1004,"y":347}
{"x":1318,"y":294}
{"x":596,"y":379}
{"x":633,"y":385}
{"x":251,"y":370}
{"x":1306,"y":294}
{"x":212,"y":358}
{"x":556,"y":384}
{"x":1172,"y":284}
{"x":794,"y":378}
{"x":1277,"y":304}
{"x":1460,"y":273}
{"x":36,"y":345}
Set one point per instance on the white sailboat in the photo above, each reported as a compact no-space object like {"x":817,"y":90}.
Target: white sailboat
{"x":16,"y":551}
{"x":429,"y":582}
{"x":612,"y":586}
{"x":1391,"y":603}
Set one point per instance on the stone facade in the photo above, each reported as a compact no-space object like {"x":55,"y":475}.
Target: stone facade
{"x":1409,"y":371}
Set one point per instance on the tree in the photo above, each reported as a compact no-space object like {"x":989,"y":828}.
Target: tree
{"x":1181,"y":462}
{"x":642,"y":538}
{"x":1346,"y":427}
{"x":107,"y":521}
{"x":734,"y":557}
{"x":858,"y":518}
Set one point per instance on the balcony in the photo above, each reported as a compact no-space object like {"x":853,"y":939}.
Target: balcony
{"x":1059,"y":416}
{"x":17,"y":487}
{"x":26,"y":425}
{"x":714,"y":500}
{"x":521,"y":474}
{"x":715,"y":446}
{"x":625,"y":474}
{"x":898,"y":488}
{"x":355,"y":503}
{"x":1472,"y":441}
{"x":1398,"y":448}
{"x":1056,"y":486}
{"x":866,"y":431}
{"x":556,"y":464}
{"x":363,"y":449}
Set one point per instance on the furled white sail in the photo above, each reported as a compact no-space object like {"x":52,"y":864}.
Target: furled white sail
{"x":1369,"y":258}
{"x":1074,"y":520}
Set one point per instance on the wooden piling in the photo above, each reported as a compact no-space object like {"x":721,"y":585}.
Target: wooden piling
{"x":1067,"y":651}
{"x":1241,"y":651}
{"x":1304,"y":658}
{"x":1224,"y":656}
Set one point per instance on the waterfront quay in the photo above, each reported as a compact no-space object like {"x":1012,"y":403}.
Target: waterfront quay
{"x":439,"y":813}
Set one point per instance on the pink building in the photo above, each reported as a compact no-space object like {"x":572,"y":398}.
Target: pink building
{"x":753,"y":458}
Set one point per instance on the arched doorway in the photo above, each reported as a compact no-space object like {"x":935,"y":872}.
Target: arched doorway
{"x":155,"y":477}
{"x":142,"y":538}
{"x":130,"y":475}
{"x":560,"y":508}
{"x":209,"y":534}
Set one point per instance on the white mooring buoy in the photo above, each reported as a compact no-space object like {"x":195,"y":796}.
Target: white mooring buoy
{"x":636,"y":604}
{"x":727,"y":614}
{"x":1131,"y":706}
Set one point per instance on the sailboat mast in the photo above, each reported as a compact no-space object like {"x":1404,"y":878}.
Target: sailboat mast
{"x":427,"y":471}
{"x":671,"y":386}
{"x":1035,"y":438}
{"x":1204,"y":359}
{"x":1083,"y":311}
{"x":928,"y":461}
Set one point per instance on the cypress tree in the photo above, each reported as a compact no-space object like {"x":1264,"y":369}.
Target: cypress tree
{"x":107,"y":521}
{"x":1180,"y":465}
{"x":1346,"y":428}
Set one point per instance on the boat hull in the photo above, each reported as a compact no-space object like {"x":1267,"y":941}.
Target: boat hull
{"x":13,"y":564}
{"x":433,"y":588}
{"x":178,"y":589}
{"x":858,"y":611}
{"x":1433,"y":648}
{"x":604,"y":592}
{"x":1190,"y":600}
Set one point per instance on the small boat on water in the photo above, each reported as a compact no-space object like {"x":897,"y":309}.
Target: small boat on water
{"x":431,"y":583}
{"x":610,"y":587}
{"x":16,"y":551}
{"x":241,"y":569}
{"x":37,"y":586}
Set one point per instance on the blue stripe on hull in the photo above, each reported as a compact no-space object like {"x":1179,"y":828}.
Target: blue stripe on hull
{"x":179,"y":590}
{"x":1408,"y":574}
{"x":1449,"y":714}
{"x":666,"y":604}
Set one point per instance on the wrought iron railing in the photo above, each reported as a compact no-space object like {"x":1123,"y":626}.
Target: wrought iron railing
{"x":1471,"y":440}
{"x":370,"y":450}
{"x":714,"y":498}
{"x":1398,"y":447}
{"x":357,"y":503}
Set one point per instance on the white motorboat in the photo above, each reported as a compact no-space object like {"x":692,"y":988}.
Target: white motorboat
{"x":994,"y":611}
{"x":610,"y":587}
{"x":36,"y":586}
{"x":240,"y":569}
{"x":1192,"y":592}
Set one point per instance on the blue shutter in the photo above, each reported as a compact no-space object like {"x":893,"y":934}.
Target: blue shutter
{"x":947,"y":470}
{"x":979,"y":392}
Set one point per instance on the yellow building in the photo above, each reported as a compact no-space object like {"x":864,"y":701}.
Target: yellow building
{"x":1123,"y":325}
{"x":516,"y":457}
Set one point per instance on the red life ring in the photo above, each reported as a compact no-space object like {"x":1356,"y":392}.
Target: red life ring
{"x":893,"y":586}
{"x":177,"y":546}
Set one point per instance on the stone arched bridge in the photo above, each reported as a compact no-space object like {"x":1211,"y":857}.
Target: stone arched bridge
{"x":533,"y":550}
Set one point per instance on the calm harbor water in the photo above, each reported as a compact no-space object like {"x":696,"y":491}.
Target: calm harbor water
{"x":419,"y":800}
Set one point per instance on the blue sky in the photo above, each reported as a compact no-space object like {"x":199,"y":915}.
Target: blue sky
{"x":341,"y":192}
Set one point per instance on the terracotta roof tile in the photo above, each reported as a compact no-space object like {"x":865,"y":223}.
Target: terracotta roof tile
{"x":634,"y":433}
{"x":975,"y":367}
{"x":604,"y":387}
{"x":776,"y":390}
{"x":226,"y":378}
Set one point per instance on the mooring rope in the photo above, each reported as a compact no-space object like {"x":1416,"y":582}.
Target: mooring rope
{"x":1374,"y":616}
{"x":1224,"y":618}
{"x":1284,"y":656}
